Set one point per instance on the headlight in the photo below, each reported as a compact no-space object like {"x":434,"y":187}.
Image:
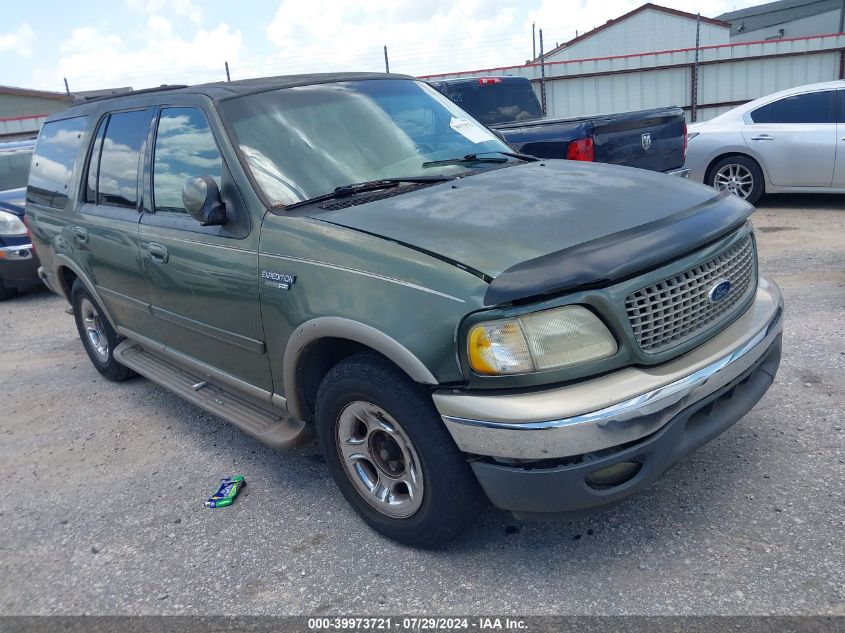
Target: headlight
{"x":11,"y":224}
{"x":550,"y":339}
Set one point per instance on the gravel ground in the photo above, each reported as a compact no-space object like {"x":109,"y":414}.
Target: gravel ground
{"x":103,"y":511}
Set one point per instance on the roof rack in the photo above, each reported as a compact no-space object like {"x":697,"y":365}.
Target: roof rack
{"x":126,"y":93}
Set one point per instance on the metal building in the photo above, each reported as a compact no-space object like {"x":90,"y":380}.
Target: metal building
{"x":646,"y":28}
{"x":582,"y":79}
{"x":22,"y":111}
{"x":785,"y":19}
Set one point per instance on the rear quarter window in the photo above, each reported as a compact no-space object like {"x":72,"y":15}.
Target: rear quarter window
{"x":53,"y":162}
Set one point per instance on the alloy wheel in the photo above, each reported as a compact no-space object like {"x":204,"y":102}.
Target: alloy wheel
{"x":94,"y":330}
{"x":380,"y":459}
{"x":736,"y":179}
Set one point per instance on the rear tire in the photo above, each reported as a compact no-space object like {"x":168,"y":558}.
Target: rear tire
{"x":391,"y":456}
{"x":98,"y":337}
{"x":741,"y":175}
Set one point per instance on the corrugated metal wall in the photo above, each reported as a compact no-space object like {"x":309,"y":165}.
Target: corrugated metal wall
{"x":728,"y":75}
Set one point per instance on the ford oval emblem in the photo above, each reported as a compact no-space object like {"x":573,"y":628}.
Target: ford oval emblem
{"x":719,"y":291}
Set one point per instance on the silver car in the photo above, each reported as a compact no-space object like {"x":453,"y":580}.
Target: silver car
{"x":788,"y":142}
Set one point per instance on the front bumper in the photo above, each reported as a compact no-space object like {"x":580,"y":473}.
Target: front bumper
{"x":544,"y":445}
{"x":19,"y":266}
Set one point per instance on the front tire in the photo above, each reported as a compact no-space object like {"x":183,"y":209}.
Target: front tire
{"x":391,"y":456}
{"x":740,"y":175}
{"x":6,"y":292}
{"x":98,"y":337}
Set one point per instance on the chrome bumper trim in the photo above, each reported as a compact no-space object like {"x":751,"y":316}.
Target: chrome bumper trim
{"x":684,"y":172}
{"x":625,"y":421}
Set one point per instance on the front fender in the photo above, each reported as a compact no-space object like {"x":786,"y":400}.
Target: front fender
{"x":339,"y":327}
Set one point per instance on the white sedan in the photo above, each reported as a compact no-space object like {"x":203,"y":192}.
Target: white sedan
{"x":788,"y":142}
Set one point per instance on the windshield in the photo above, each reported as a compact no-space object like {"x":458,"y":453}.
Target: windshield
{"x":305,"y":141}
{"x":14,"y":168}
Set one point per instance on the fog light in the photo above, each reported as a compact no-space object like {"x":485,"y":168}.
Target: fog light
{"x":613,"y":475}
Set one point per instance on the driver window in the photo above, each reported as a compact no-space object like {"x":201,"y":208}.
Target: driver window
{"x":184,"y":148}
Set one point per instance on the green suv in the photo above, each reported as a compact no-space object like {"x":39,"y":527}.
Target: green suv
{"x":356,"y":256}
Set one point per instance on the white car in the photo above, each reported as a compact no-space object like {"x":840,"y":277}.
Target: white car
{"x":788,"y":142}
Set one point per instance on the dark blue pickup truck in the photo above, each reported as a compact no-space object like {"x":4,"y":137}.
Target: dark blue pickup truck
{"x":650,"y":139}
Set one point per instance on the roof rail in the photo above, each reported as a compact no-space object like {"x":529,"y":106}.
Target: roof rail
{"x":80,"y":100}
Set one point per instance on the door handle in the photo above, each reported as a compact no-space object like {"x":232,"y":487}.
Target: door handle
{"x":158,"y":253}
{"x":80,"y":234}
{"x":763,"y":137}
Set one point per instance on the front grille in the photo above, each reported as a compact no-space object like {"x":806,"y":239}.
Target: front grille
{"x":677,"y":309}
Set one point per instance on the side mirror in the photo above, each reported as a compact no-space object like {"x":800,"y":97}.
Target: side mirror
{"x":201,"y":198}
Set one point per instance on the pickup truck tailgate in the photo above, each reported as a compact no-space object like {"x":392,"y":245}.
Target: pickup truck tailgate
{"x":649,"y":139}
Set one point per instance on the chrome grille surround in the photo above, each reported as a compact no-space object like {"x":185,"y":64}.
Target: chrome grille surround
{"x":674,"y":310}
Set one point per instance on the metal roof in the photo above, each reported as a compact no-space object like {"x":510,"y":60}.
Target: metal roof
{"x":26,"y":92}
{"x":630,"y":14}
{"x":774,"y":13}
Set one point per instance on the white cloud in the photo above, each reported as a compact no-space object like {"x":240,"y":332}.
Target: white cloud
{"x":93,"y":59}
{"x":325,"y":35}
{"x":181,"y":8}
{"x":336,"y":35}
{"x":18,"y":41}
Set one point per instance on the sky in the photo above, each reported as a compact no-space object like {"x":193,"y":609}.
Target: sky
{"x":99,"y":44}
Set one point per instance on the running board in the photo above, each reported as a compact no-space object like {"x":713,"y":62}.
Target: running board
{"x":273,"y":427}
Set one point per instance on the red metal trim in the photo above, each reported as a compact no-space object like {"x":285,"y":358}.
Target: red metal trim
{"x":21,"y":118}
{"x":648,"y":69}
{"x":632,"y":55}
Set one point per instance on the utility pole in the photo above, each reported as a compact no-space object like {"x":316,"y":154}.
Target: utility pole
{"x":228,"y":78}
{"x":694,"y":105}
{"x":386,"y":62}
{"x":542,"y":76}
{"x":67,"y":88}
{"x":534,"y":40}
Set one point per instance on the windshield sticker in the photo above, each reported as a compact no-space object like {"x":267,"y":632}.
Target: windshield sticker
{"x":469,"y":130}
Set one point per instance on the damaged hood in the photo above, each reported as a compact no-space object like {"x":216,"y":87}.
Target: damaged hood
{"x":539,"y":227}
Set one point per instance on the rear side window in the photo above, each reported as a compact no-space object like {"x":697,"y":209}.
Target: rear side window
{"x":94,"y":164}
{"x":14,"y":168}
{"x":493,"y":102}
{"x":184,"y":148}
{"x":55,"y":156}
{"x":814,"y":107}
{"x":120,"y":158}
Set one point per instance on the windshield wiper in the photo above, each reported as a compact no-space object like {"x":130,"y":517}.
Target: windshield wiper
{"x":361,"y":187}
{"x":478,"y":157}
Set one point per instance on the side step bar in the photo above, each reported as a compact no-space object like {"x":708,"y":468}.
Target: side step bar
{"x":274,"y":428}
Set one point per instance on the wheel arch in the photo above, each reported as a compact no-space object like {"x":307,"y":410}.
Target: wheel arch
{"x":317,"y":345}
{"x":736,"y":152}
{"x":67,"y":272}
